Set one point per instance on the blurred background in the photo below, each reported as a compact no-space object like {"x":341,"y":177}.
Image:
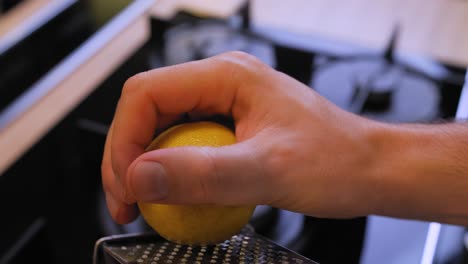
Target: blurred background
{"x":63,"y":64}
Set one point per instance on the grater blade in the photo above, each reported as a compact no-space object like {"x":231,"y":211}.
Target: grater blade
{"x":246,"y":247}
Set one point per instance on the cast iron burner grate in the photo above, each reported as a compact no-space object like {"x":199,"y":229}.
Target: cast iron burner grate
{"x":378,"y":90}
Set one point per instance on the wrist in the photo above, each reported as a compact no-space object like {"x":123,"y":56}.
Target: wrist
{"x":397,"y":168}
{"x":370,"y":168}
{"x":414,"y":168}
{"x":370,"y":192}
{"x":383,"y":174}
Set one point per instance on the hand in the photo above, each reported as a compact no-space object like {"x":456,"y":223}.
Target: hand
{"x":295,"y":150}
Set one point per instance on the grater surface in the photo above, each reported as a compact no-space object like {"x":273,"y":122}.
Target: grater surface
{"x":245,"y":247}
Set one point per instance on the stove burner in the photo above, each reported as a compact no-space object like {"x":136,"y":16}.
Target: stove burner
{"x":379,"y":90}
{"x":187,"y":42}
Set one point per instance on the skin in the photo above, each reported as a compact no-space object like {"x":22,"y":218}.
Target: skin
{"x":296,"y":150}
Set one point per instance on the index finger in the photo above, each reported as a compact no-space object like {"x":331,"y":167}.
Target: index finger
{"x":210,"y":85}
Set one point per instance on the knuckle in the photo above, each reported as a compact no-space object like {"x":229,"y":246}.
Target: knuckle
{"x":281,"y":171}
{"x":240,"y":63}
{"x":239,"y":55}
{"x":279,"y":159}
{"x":209,"y":180}
{"x":111,"y":183}
{"x":114,"y":168}
{"x":133,"y":83}
{"x":106,"y":174}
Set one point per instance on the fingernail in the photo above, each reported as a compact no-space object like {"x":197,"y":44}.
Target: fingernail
{"x":148,"y":181}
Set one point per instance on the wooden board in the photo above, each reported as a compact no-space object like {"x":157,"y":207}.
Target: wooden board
{"x":42,"y":115}
{"x":204,"y":8}
{"x":20,"y":13}
{"x":19,"y":22}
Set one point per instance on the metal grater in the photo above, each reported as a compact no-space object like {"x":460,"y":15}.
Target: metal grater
{"x":246,"y":247}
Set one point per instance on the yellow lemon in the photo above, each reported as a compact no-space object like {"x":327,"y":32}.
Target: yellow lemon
{"x":195,"y":224}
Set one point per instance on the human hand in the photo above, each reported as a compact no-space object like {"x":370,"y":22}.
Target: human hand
{"x":295,"y":150}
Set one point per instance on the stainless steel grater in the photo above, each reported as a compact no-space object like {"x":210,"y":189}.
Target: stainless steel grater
{"x":246,"y":247}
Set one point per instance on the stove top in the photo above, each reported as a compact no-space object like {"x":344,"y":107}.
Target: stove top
{"x":381,"y":87}
{"x":193,"y":41}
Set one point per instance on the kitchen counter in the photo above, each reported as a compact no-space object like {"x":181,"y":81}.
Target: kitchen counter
{"x":49,"y":100}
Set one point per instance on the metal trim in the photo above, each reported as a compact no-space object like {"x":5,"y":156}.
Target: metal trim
{"x":33,"y":23}
{"x":73,"y":61}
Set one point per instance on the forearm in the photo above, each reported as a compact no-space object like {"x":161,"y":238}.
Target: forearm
{"x":421,"y":172}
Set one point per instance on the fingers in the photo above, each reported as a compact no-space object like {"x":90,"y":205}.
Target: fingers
{"x":120,"y":211}
{"x":120,"y":208}
{"x":209,"y":86}
{"x":230,"y":175}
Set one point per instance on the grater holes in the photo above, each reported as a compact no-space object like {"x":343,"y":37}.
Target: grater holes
{"x":242,"y":248}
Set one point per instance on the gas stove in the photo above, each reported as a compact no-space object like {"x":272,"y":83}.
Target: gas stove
{"x":384,"y":86}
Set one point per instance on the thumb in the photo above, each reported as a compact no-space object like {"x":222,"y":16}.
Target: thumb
{"x":228,"y":175}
